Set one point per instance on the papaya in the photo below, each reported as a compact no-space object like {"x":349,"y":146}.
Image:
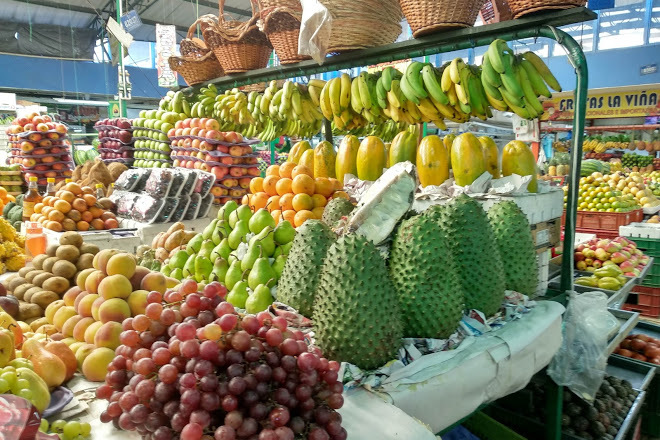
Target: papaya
{"x":387,"y":154}
{"x":432,"y":161}
{"x":403,"y":148}
{"x":297,"y":150}
{"x":324,"y":160}
{"x":371,"y":158}
{"x":307,"y":159}
{"x":345,"y":163}
{"x":517,"y":158}
{"x":467,"y":159}
{"x":448,"y":141}
{"x":491,"y":156}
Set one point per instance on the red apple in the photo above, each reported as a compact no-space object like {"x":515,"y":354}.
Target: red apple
{"x":219,"y":172}
{"x":60,"y":128}
{"x":22,"y":121}
{"x":186,"y":131}
{"x":29,"y":162}
{"x":186,"y":123}
{"x":42,"y":127}
{"x":39,"y":151}
{"x":236,"y":150}
{"x":205,"y":167}
{"x":35,"y":137}
{"x":171,"y":132}
{"x":26,"y":146}
{"x":195,"y":143}
{"x":223,"y":149}
{"x":253,"y":171}
{"x":230,"y":182}
{"x":236,"y":171}
{"x":233,"y":137}
{"x":178,"y":124}
{"x":202,"y":132}
{"x":41,"y":168}
{"x":38,"y":120}
{"x":212,"y":124}
{"x":244,"y":182}
{"x":47,"y":118}
{"x":176,"y":163}
{"x":45,"y":143}
{"x":194,"y":131}
{"x":205,"y":146}
{"x":227,"y":160}
{"x":178,"y":131}
{"x":48,"y":159}
{"x":194,"y":122}
{"x":50,"y":174}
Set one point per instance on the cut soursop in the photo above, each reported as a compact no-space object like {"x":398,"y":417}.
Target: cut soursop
{"x":475,"y":253}
{"x":423,"y":272}
{"x":297,"y":286}
{"x":513,"y":237}
{"x":335,"y":210}
{"x":356,"y":313}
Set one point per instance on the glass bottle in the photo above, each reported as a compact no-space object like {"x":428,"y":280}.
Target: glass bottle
{"x":68,"y":180}
{"x":100,"y":193}
{"x":111,"y":189}
{"x":32,"y":197}
{"x":35,"y":240}
{"x":50,"y":186}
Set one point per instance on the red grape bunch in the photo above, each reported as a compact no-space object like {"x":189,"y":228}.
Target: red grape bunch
{"x":192,"y":368}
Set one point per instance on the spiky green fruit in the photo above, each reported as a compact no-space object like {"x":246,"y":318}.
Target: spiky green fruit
{"x":472,"y":243}
{"x":335,"y":210}
{"x":513,"y":237}
{"x":423,"y":272}
{"x":356,"y":314}
{"x":297,"y":286}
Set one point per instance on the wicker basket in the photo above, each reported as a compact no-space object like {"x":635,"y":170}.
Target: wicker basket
{"x":239,"y":46}
{"x":523,"y":7}
{"x":194,"y":47}
{"x":495,"y":11}
{"x":429,"y":16}
{"x":196,"y":69}
{"x":282,"y":26}
{"x":267,"y":6}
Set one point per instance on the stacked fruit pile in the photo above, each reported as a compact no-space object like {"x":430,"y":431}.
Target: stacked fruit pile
{"x":621,"y":252}
{"x":40,"y":147}
{"x":116,"y":136}
{"x":640,"y":347}
{"x":75,"y":208}
{"x":634,"y":185}
{"x":198,"y":144}
{"x":605,"y":157}
{"x":559,"y":165}
{"x":152,"y":146}
{"x":636,"y":162}
{"x":597,"y":195}
{"x":11,"y":180}
{"x":600,"y":144}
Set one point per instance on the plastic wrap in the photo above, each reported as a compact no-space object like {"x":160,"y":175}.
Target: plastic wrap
{"x":20,"y":419}
{"x":181,"y":209}
{"x":128,"y":180}
{"x":189,"y":183}
{"x":168,"y":210}
{"x":315,"y":29}
{"x":160,"y":181}
{"x":193,"y":207}
{"x":146,"y":209}
{"x":205,"y":206}
{"x":581,"y":360}
{"x":204,"y":183}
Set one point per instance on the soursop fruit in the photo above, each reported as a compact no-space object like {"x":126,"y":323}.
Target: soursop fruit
{"x":297,"y":285}
{"x":356,"y":313}
{"x":513,"y":237}
{"x":424,"y":276}
{"x":473,"y":248}
{"x":335,"y":210}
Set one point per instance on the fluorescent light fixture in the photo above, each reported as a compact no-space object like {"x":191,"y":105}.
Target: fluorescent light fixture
{"x":82,"y":102}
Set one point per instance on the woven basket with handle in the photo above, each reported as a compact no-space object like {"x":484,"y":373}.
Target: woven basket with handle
{"x":282,"y":26}
{"x":239,"y":45}
{"x":197,"y":62}
{"x":523,"y":7}
{"x":430,"y":16}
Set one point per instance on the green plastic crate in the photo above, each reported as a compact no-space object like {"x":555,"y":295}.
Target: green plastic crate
{"x":655,"y":268}
{"x":650,"y":246}
{"x":651,"y":424}
{"x":651,"y":280}
{"x":487,"y":428}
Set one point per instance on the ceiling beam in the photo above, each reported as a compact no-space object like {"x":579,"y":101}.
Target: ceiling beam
{"x":212,"y":5}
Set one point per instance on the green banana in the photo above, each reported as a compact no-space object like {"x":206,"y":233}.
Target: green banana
{"x":528,"y":90}
{"x":407,"y":90}
{"x":414,"y":78}
{"x":296,"y":102}
{"x":430,"y":78}
{"x":519,"y":110}
{"x":537,"y":82}
{"x":488,"y":73}
{"x":496,"y":51}
{"x":381,"y":93}
{"x":326,"y":108}
{"x":543,"y":70}
{"x":387,"y":78}
{"x":510,"y":81}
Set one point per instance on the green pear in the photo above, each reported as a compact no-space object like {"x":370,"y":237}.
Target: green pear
{"x":227,"y":209}
{"x":215,"y":254}
{"x":223,"y":248}
{"x":233,"y":219}
{"x":195,"y":243}
{"x":284,"y":233}
{"x":244,"y":213}
{"x":266,"y":238}
{"x":278,"y":265}
{"x":254,"y":251}
{"x":166,"y":270}
{"x":177,"y":274}
{"x":261,"y":273}
{"x":233,"y":275}
{"x":221,"y":213}
{"x":220,"y":268}
{"x":260,"y":220}
{"x":231,"y":258}
{"x":260,"y":300}
{"x":238,"y":295}
{"x":208,"y":230}
{"x":238,"y":234}
{"x":282,"y":250}
{"x":189,"y":267}
{"x":206,"y":249}
{"x":218,"y":234}
{"x":178,"y":259}
{"x":203,"y":268}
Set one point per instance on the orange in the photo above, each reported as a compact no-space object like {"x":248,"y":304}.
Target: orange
{"x":286,"y":169}
{"x":89,"y":199}
{"x":74,"y":188}
{"x":302,"y":216}
{"x":319,"y":201}
{"x":82,"y":225}
{"x":277,"y":215}
{"x":270,"y":185}
{"x":283,"y":186}
{"x":97,"y":224}
{"x":340,"y":194}
{"x":256,"y":185}
{"x":273,"y":170}
{"x":87,"y":216}
{"x":68,"y":224}
{"x":3,"y":192}
{"x":96,"y":212}
{"x":336,"y":184}
{"x":286,"y":202}
{"x":67,"y":196}
{"x":38,"y":207}
{"x":79,"y":205}
{"x":63,"y":206}
{"x":301,"y":169}
{"x":259,"y":200}
{"x":303,"y":184}
{"x":289,"y":215}
{"x":302,"y":202}
{"x":273,"y":203}
{"x":318,"y":212}
{"x":323,"y":186}
{"x":55,"y":216}
{"x":54,"y":226}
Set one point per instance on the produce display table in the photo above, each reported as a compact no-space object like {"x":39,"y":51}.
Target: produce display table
{"x":146,"y":232}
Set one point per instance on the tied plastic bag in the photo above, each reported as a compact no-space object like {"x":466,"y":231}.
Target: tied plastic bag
{"x":315,"y":28}
{"x":580,"y":362}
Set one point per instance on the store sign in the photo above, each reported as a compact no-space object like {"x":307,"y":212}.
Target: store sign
{"x":8,"y":101}
{"x":637,"y":103}
{"x":165,"y":48}
{"x":131,"y":20}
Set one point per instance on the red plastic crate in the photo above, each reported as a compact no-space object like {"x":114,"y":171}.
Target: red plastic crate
{"x":647,"y":296}
{"x":607,"y":221}
{"x":650,"y":311}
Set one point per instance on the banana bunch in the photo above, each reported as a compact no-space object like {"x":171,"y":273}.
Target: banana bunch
{"x":336,"y":101}
{"x":176,"y":102}
{"x":386,"y":130}
{"x":461,"y":83}
{"x":515,"y":82}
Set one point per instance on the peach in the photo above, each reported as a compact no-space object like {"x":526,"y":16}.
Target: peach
{"x":140,"y":273}
{"x":86,"y":303}
{"x":121,"y":264}
{"x":93,"y":280}
{"x":70,"y":296}
{"x":108,"y":335}
{"x":95,"y":365}
{"x":95,"y":308}
{"x":101,"y":259}
{"x":52,"y":308}
{"x":82,"y":277}
{"x":114,"y":309}
{"x":76,"y":345}
{"x":76,"y":303}
{"x":69,"y":341}
{"x":62,"y":315}
{"x":137,"y":302}
{"x":81,"y":327}
{"x":90,"y":333}
{"x":70,"y":324}
{"x":154,"y":281}
{"x":115,"y":286}
{"x":82,"y":352}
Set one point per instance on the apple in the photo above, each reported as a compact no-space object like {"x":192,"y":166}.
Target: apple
{"x":227,"y":160}
{"x":233,"y":137}
{"x":50,"y":174}
{"x":53,"y":136}
{"x":216,"y":191}
{"x":195,"y":143}
{"x":197,"y":165}
{"x":48,"y":159}
{"x":60,"y":128}
{"x":253,"y":171}
{"x":39,"y":151}
{"x":42,"y":127}
{"x":50,"y":125}
{"x":26,"y":146}
{"x":29,"y":162}
{"x":171,"y":132}
{"x":41,"y":168}
{"x":244,"y":182}
{"x":236,"y":150}
{"x":178,"y":124}
{"x":45,"y":143}
{"x":195,"y":122}
{"x":35,"y":137}
{"x":194,"y":131}
{"x":223,"y":149}
{"x":22,"y":121}
{"x":213,"y":134}
{"x":230,"y":182}
{"x":205,"y":146}
{"x":212,"y":124}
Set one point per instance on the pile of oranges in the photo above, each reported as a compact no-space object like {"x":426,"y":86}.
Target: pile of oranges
{"x":290,"y":192}
{"x":74,"y":208}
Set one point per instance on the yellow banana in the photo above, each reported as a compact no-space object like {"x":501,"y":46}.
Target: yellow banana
{"x":543,"y":70}
{"x":345,"y":93}
{"x":334,"y":95}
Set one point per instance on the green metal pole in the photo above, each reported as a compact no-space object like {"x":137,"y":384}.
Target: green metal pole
{"x":272,"y":152}
{"x":122,"y":108}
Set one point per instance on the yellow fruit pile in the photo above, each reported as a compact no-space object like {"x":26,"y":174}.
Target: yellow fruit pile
{"x":12,"y":248}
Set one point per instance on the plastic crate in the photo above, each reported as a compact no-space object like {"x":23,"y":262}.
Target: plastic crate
{"x":609,"y":221}
{"x":600,"y":233}
{"x":650,"y":311}
{"x":650,"y":246}
{"x":637,"y":230}
{"x":655,"y":269}
{"x":651,"y":424}
{"x":487,"y":428}
{"x":647,"y":296}
{"x":651,"y":280}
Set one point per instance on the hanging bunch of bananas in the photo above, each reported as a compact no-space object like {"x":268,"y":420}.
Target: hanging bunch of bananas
{"x":336,"y":101}
{"x":515,"y":82}
{"x":385,"y":130}
{"x":461,"y":83}
{"x":176,"y":102}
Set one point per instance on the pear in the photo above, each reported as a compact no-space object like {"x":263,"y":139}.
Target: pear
{"x":178,"y":259}
{"x":189,"y":267}
{"x":220,"y":268}
{"x":282,"y":250}
{"x":255,"y":250}
{"x":261,"y":273}
{"x":206,"y":249}
{"x":233,"y":275}
{"x":238,"y":295}
{"x":260,"y":300}
{"x":48,"y":366}
{"x":223,"y":248}
{"x":278,"y":265}
{"x":195,"y":243}
{"x":244,"y":213}
{"x":40,"y":393}
{"x":177,"y":274}
{"x":203,"y":268}
{"x":227,"y":209}
{"x":218,"y":233}
{"x":260,"y":220}
{"x":7,"y":351}
{"x":284,"y":233}
{"x":231,"y":258}
{"x":266,"y":239}
{"x":238,"y":234}
{"x":208,"y":230}
{"x":233,"y":219}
